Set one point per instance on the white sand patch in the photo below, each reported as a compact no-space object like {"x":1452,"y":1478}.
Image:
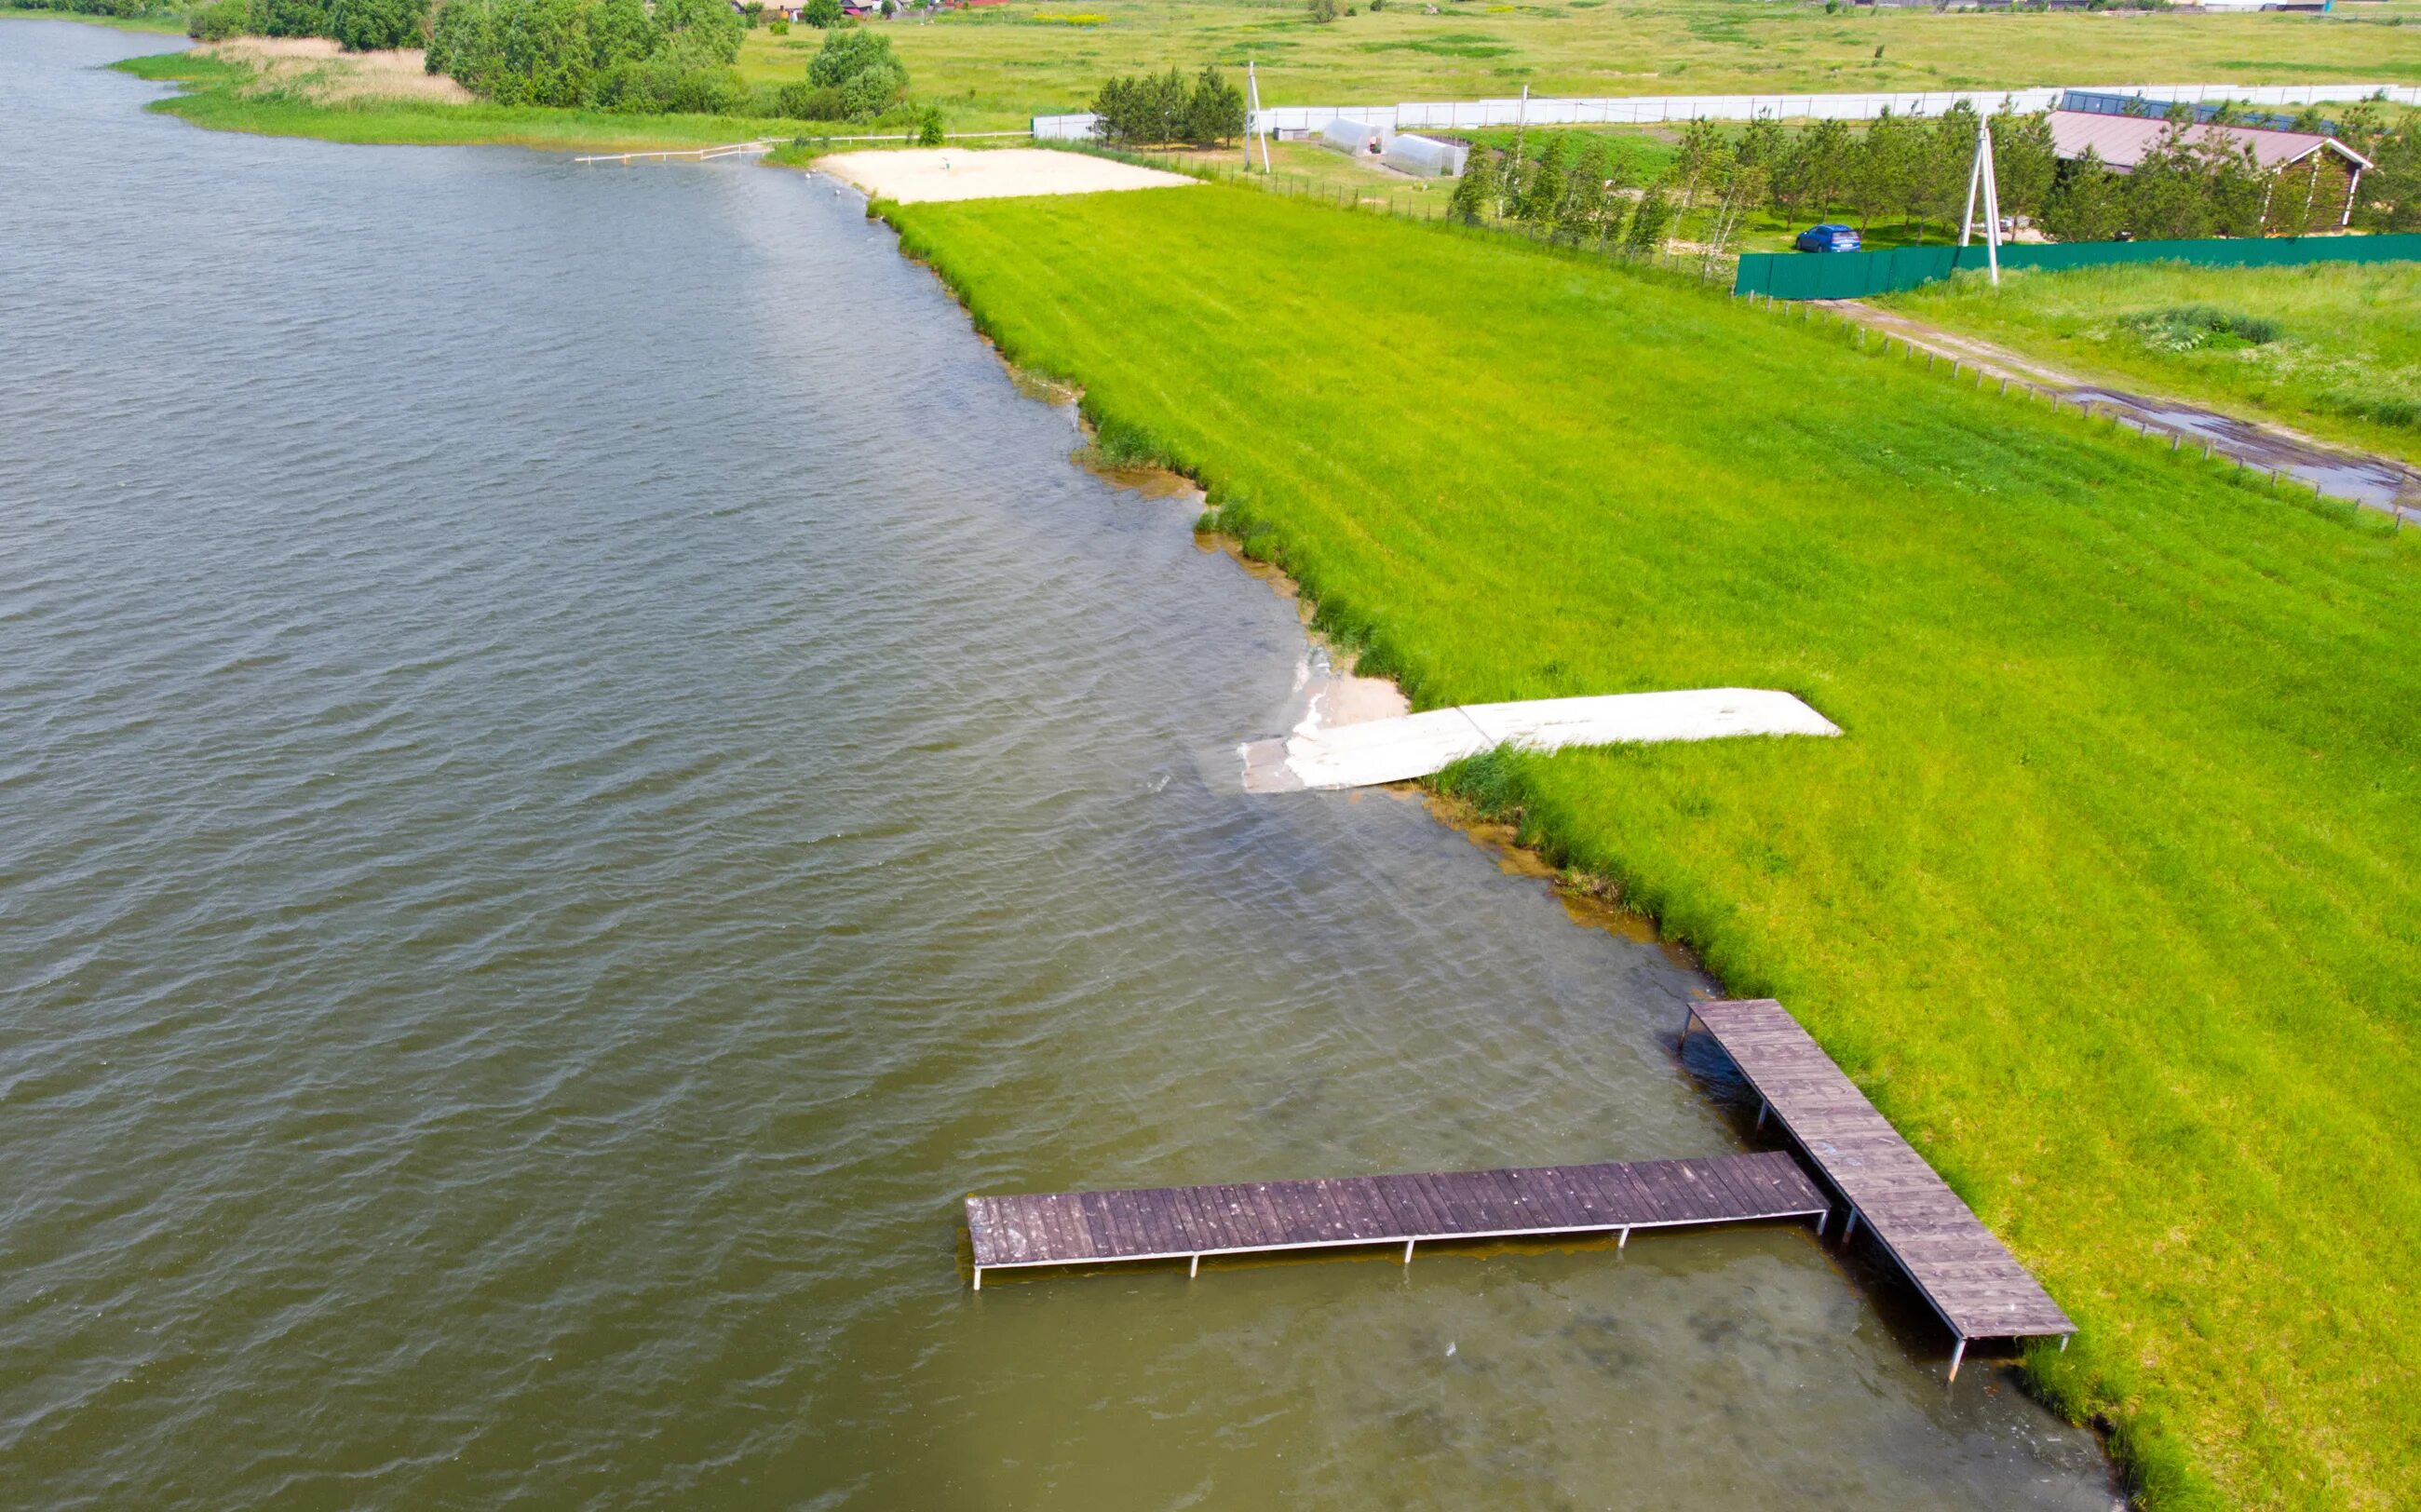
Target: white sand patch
{"x":1372,"y":751}
{"x":919,"y":174}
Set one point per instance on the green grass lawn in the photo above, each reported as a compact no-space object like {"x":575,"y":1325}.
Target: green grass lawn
{"x":2112,"y":895}
{"x":2344,"y":363}
{"x":996,"y":66}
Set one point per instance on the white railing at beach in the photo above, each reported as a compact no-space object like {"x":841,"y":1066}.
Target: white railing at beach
{"x":1650,"y":109}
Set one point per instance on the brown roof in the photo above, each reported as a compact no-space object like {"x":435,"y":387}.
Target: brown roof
{"x":2123,"y":141}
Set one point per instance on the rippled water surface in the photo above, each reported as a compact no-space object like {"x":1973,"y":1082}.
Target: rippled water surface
{"x":577,"y":766}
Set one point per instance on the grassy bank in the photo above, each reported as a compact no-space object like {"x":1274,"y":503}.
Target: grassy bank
{"x":234,"y":97}
{"x":995,"y":66}
{"x":165,"y":25}
{"x":2332,"y":348}
{"x":2111,"y":899}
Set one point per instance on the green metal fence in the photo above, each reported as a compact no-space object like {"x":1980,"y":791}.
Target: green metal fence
{"x":1857,"y":275}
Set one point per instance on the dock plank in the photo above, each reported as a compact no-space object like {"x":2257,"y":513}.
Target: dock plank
{"x":1967,"y":1273}
{"x":1092,"y":1228}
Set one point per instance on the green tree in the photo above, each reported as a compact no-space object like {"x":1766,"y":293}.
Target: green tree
{"x":370,"y":26}
{"x":2024,"y":162}
{"x":1878,"y":175}
{"x":1214,"y":112}
{"x":857,"y":64}
{"x":699,"y":32}
{"x":1650,"y":221}
{"x":1948,"y":162}
{"x":1826,"y":151}
{"x":824,"y":15}
{"x":1585,"y":199}
{"x":1475,"y":193}
{"x":620,"y":31}
{"x":929,"y":127}
{"x":2086,"y":204}
{"x":1544,"y":182}
{"x":2233,"y":185}
{"x":2167,"y":199}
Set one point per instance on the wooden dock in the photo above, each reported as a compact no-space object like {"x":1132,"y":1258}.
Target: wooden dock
{"x":1972,"y":1280}
{"x":1188,"y":1222}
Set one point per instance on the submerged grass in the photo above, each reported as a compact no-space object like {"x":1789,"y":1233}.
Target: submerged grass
{"x":2112,"y":897}
{"x":2332,"y":347}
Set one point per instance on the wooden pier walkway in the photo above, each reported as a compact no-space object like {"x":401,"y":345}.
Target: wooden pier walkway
{"x":1975,"y":1284}
{"x":1188,"y":1222}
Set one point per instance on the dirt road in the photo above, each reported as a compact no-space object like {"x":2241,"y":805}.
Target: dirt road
{"x":2375,"y":482}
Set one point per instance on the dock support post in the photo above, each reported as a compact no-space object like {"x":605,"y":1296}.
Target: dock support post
{"x":1624,"y":1241}
{"x":1408,"y":1250}
{"x":1957,"y":1352}
{"x":2063,"y":1342}
{"x":1194,"y":1269}
{"x":1763,"y":1107}
{"x":979,"y":1278}
{"x":1821,"y":1219}
{"x":1849,"y":1229}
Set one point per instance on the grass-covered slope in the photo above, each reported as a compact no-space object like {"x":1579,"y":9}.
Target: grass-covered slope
{"x":2112,"y":895}
{"x":2333,"y":347}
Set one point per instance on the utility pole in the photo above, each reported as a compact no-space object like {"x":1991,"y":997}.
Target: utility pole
{"x":1253,"y":118}
{"x":1980,"y":180}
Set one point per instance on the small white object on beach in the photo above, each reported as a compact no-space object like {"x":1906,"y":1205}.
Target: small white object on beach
{"x":1370,"y":752}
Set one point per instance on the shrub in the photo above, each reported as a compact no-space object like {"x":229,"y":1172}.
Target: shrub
{"x":666,"y":85}
{"x":370,"y":26}
{"x":218,"y":21}
{"x":2196,"y":327}
{"x":779,"y":26}
{"x":824,"y":14}
{"x":1323,"y":11}
{"x":804,"y":102}
{"x":861,"y":67}
{"x":929,"y":127}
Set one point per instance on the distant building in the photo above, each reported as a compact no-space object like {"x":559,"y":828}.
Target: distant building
{"x":2121,"y":142}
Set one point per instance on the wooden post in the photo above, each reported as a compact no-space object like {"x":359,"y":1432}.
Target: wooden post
{"x":1763,"y":1108}
{"x":1624,"y":1241}
{"x":979,"y":1278}
{"x":1849,"y":1229}
{"x":1408,"y":1251}
{"x":1821,"y":1219}
{"x":1958,"y":1351}
{"x":1194,"y":1269}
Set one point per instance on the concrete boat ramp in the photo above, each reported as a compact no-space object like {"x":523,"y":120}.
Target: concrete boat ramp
{"x":1360,"y":753}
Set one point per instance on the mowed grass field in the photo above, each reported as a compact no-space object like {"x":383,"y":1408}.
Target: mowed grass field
{"x":998,"y":65}
{"x":2344,"y":363}
{"x":2110,"y":897}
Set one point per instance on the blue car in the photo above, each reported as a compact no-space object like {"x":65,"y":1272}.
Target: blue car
{"x":1828,"y":237}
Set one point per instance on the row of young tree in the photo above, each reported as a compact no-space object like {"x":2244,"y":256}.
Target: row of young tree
{"x":617,"y":55}
{"x":1914,"y":170}
{"x":1160,"y":109}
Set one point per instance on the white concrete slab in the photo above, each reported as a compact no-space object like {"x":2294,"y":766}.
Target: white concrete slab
{"x":910,"y":175}
{"x":1414,"y":745}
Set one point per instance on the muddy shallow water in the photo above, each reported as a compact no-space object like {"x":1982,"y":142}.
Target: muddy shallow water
{"x":582,"y":765}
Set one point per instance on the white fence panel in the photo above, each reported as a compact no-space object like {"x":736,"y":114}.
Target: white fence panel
{"x":1636,"y":110}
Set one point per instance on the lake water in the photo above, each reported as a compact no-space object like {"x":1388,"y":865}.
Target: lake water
{"x":577,"y":766}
